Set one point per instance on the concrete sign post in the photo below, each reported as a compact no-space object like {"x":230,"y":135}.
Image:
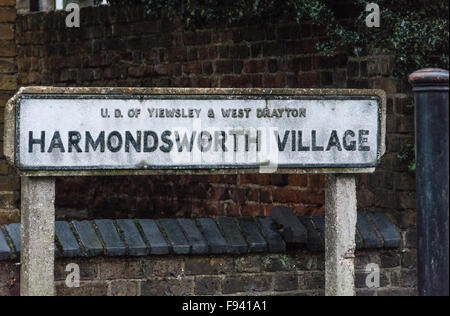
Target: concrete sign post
{"x":38,"y":236}
{"x":340,"y":226}
{"x":51,"y":132}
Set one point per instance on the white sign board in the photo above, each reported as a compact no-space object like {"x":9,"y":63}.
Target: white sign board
{"x":89,"y":132}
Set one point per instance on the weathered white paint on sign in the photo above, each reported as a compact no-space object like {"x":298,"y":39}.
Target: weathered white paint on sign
{"x":196,"y":132}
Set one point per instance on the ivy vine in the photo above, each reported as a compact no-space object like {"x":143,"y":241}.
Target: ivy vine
{"x":407,"y":156}
{"x":414,"y":31}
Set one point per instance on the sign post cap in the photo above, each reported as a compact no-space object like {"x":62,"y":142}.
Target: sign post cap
{"x":429,"y":77}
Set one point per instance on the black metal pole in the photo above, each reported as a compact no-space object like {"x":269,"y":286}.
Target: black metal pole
{"x":430,"y":87}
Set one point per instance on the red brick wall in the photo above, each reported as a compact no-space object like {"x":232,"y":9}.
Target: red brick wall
{"x":117,"y":48}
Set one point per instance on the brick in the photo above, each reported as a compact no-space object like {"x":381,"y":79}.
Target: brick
{"x":252,"y":234}
{"x":252,"y":210}
{"x":135,"y":244}
{"x":390,"y":260}
{"x":389,"y":85}
{"x":407,"y":200}
{"x":158,"y":245}
{"x":274,"y":81}
{"x":397,"y":292}
{"x":246,"y":284}
{"x":409,"y":259}
{"x":313,"y":280}
{"x":8,"y":82}
{"x":6,"y":3}
{"x":197,"y":242}
{"x":9,"y":216}
{"x":271,"y":234}
{"x":353,"y":69}
{"x":89,"y":239}
{"x":209,"y":265}
{"x":6,"y":31}
{"x":273,"y":49}
{"x":178,"y":241}
{"x":308,"y":80}
{"x":162,"y":267}
{"x":409,"y":278}
{"x":9,"y":279}
{"x":284,"y":282}
{"x":8,"y":200}
{"x":358,"y":84}
{"x":224,"y":67}
{"x":207,"y":285}
{"x":286,"y":195}
{"x":171,"y":287}
{"x":248,"y":264}
{"x":255,"y":66}
{"x":405,"y":181}
{"x":216,"y":241}
{"x":289,"y":31}
{"x":326,"y":78}
{"x":124,"y":288}
{"x":274,"y":263}
{"x":114,"y":245}
{"x":233,"y":235}
{"x":7,"y":66}
{"x":297,"y":180}
{"x":111,"y":269}
{"x":67,"y":240}
{"x":86,"y":288}
{"x":239,"y":52}
{"x":192,"y":68}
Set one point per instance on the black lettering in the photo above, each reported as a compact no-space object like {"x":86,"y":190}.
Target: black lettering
{"x":220,"y":140}
{"x":151,"y":149}
{"x":136,"y":143}
{"x":117,"y":146}
{"x":38,"y":141}
{"x":352,"y":145}
{"x":282,"y":144}
{"x":94,"y":144}
{"x":313,"y":142}
{"x":256,"y":141}
{"x":201,"y":141}
{"x":235,"y":137}
{"x":363,"y":140}
{"x":294,"y":140}
{"x":185,"y":143}
{"x":300,"y":142}
{"x":302,"y":112}
{"x":334,"y":141}
{"x":165,"y":137}
{"x":56,"y":143}
{"x":226,"y":113}
{"x":74,"y":141}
